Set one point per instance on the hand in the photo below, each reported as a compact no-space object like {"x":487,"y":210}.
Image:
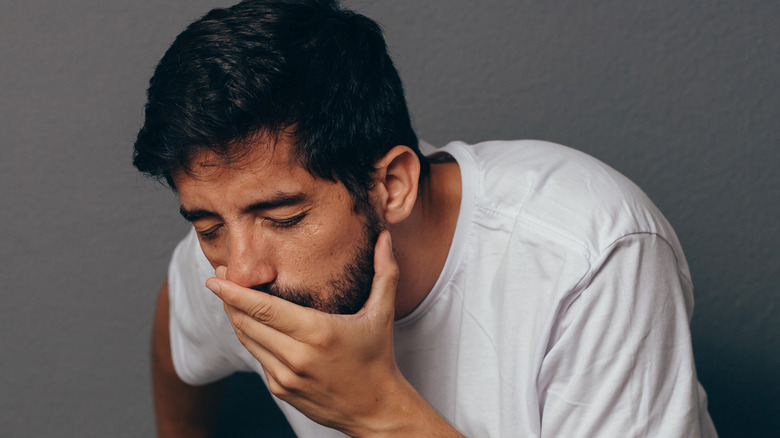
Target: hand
{"x":338,"y":370}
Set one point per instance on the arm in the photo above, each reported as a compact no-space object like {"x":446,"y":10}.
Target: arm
{"x":338,"y":370}
{"x":181,"y":410}
{"x":621,"y":362}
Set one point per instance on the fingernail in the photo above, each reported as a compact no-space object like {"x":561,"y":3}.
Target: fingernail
{"x":221,"y":272}
{"x":213,"y":285}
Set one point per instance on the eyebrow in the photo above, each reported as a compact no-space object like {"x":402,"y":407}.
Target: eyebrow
{"x":276,"y":201}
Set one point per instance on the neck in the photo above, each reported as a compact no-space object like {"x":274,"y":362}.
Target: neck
{"x":422,"y":241}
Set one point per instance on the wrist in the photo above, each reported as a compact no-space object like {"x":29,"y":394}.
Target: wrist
{"x":403,"y":412}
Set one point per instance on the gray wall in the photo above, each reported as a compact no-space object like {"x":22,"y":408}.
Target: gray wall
{"x":681,"y":96}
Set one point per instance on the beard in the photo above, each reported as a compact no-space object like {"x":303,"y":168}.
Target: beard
{"x":350,"y":288}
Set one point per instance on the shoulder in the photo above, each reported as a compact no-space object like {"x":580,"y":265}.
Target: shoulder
{"x":560,"y":192}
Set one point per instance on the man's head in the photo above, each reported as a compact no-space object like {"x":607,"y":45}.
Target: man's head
{"x":304,"y":67}
{"x":280,"y":230}
{"x":284,"y":100}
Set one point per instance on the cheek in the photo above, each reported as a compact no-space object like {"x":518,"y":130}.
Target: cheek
{"x":322,"y":250}
{"x":319,"y":245}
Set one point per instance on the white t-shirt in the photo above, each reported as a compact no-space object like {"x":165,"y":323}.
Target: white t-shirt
{"x":562,"y":310}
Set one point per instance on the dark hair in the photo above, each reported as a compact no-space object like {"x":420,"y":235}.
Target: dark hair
{"x":306,"y":67}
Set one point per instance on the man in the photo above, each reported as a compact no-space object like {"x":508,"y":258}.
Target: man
{"x":508,"y":288}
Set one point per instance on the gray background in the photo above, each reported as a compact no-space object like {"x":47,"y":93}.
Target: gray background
{"x":681,"y":96}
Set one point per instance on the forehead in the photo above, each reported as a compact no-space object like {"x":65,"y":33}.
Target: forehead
{"x":264,"y":175}
{"x":263,"y":158}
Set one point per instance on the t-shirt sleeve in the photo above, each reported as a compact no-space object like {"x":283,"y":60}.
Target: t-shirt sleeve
{"x":203,"y":345}
{"x":619,"y":361}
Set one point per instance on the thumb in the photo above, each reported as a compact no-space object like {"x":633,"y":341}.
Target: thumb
{"x":381,"y":300}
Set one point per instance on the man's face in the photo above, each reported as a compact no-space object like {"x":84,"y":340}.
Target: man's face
{"x":280,"y":230}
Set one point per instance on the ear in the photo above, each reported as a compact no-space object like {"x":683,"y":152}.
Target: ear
{"x":395,"y":184}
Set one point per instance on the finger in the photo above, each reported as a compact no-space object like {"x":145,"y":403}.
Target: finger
{"x":271,"y":364}
{"x":282,"y":380}
{"x":381,"y":300}
{"x":275,"y":312}
{"x":278,"y":344}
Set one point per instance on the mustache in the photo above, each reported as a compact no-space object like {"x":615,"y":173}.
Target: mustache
{"x":296,"y":295}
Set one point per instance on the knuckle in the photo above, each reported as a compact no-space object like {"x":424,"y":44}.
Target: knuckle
{"x":277,"y":389}
{"x":240,"y":323}
{"x":289,"y":381}
{"x":315,"y":339}
{"x":321,"y":338}
{"x":299,"y":368}
{"x":263,"y":312}
{"x":393,"y":272}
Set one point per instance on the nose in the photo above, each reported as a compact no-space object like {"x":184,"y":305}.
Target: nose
{"x":249,"y":263}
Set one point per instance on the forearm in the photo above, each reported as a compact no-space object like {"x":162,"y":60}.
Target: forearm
{"x":181,"y":410}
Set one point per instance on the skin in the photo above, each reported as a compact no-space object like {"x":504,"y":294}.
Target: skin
{"x":331,"y":367}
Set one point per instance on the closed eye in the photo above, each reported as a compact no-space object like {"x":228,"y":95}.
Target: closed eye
{"x":288,"y":222}
{"x":210,"y":234}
